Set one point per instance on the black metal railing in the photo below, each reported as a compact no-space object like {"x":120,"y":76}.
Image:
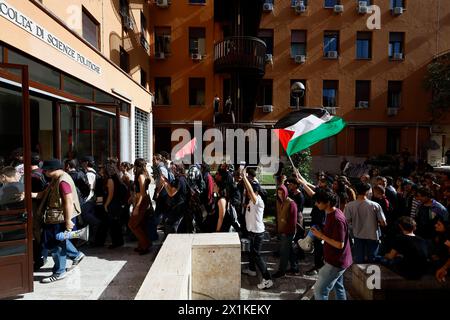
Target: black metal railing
{"x":240,"y":53}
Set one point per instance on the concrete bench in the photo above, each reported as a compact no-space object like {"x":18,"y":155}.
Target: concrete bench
{"x":195,"y":266}
{"x":393,"y":286}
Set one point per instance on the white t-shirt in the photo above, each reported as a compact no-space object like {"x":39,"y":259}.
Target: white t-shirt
{"x":254,"y":216}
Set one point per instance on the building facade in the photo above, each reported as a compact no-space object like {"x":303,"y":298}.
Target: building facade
{"x":365,"y":64}
{"x":73,"y":82}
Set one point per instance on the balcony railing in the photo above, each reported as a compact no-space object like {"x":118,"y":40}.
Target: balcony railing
{"x":243,"y":54}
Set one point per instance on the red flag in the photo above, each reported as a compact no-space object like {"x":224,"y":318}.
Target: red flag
{"x":284,"y":136}
{"x":189,"y":148}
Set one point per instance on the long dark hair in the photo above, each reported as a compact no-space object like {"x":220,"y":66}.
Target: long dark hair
{"x":110,"y":170}
{"x":140,"y":167}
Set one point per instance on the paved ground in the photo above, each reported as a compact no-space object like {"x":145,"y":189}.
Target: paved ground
{"x":117,"y":275}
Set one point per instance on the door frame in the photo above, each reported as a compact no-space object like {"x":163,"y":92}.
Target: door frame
{"x":27,"y":273}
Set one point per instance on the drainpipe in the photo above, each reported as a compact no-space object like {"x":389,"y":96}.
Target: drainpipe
{"x":150,"y":135}
{"x":132,"y":133}
{"x":438,"y":26}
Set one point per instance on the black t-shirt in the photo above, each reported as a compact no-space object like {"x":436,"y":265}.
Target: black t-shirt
{"x":299,"y":199}
{"x":414,"y":251}
{"x":181,"y":196}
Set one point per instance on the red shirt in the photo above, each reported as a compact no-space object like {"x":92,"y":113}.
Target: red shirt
{"x":336,"y":228}
{"x":64,"y":188}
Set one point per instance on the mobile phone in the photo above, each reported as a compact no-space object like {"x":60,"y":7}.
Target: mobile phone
{"x":242,"y":165}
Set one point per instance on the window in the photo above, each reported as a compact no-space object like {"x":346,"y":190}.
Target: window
{"x":393,"y":137}
{"x":364,"y":45}
{"x":162,"y":40}
{"x":369,"y":2}
{"x":394,"y":94}
{"x":265,"y":93}
{"x":91,"y":29}
{"x":141,"y":134}
{"x":298,"y":43}
{"x":329,"y":146}
{"x":197,"y":1}
{"x":124,"y":60}
{"x":362,"y":96}
{"x":162,"y":91}
{"x":143,"y":24}
{"x":330,"y":42}
{"x":266,"y":35}
{"x":362,"y":141}
{"x":37,"y":71}
{"x":103,"y":97}
{"x":330,"y":3}
{"x":293,"y":101}
{"x":77,"y":88}
{"x":124,"y":8}
{"x":197,"y":41}
{"x":143,"y":78}
{"x":196,"y":91}
{"x":397,"y":3}
{"x":330,"y":93}
{"x":396,"y":44}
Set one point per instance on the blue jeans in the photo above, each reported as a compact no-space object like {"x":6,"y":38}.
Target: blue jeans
{"x":330,"y":278}
{"x":363,"y":248}
{"x":60,"y":253}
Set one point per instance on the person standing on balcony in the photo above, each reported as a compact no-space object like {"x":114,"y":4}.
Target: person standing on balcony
{"x":229,"y":109}
{"x":216,"y":105}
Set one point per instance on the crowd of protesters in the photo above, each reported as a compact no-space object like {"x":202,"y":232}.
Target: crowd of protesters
{"x":401,"y":222}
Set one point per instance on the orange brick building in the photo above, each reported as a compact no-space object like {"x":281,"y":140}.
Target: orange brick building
{"x":370,"y":77}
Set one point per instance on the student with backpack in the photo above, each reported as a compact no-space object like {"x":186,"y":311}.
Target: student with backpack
{"x":112,"y":203}
{"x":175,"y":220}
{"x":220,"y":220}
{"x":160,"y":195}
{"x":88,"y":212}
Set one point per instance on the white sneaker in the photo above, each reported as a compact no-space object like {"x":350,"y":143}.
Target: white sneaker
{"x":306,"y":244}
{"x":54,"y":277}
{"x":249,"y":272}
{"x":265,"y":284}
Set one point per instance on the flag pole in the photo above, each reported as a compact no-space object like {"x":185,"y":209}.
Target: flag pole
{"x":294,"y":168}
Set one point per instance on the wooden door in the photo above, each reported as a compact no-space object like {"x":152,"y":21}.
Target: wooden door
{"x":16,"y":222}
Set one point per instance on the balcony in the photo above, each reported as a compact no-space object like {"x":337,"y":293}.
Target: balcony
{"x":240,"y":54}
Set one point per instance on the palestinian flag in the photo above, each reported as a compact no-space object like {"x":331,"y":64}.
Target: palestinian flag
{"x":301,"y":129}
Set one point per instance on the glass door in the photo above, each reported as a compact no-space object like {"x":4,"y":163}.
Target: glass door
{"x":88,"y":129}
{"x":16,"y":221}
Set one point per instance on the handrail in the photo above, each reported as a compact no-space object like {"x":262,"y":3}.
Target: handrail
{"x":240,"y":53}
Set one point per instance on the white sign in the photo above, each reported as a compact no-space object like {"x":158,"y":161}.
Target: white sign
{"x":19,"y":19}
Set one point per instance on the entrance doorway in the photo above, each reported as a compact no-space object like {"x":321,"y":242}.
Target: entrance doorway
{"x":16,"y":219}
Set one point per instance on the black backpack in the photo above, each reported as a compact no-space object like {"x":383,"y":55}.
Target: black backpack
{"x":233,"y":217}
{"x":81,"y":182}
